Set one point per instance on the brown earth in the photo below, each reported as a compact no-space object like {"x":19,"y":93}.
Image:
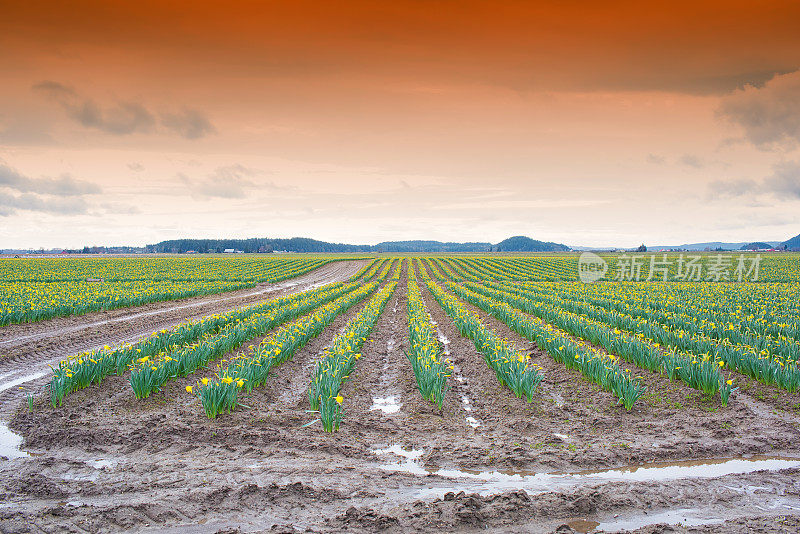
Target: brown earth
{"x":106,"y":462}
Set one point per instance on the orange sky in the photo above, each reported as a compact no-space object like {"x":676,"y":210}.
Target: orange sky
{"x":585,"y":122}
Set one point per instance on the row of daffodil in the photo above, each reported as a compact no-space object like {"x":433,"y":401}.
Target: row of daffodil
{"x":382,"y":267}
{"x":238,"y":268}
{"x":720,"y":310}
{"x":148,"y":374}
{"x":397,"y":270}
{"x":338,"y":361}
{"x":513,"y":369}
{"x":249,"y":370}
{"x":535,"y":268}
{"x":385,"y":269}
{"x":79,"y":371}
{"x":733,"y":327}
{"x":362,"y":272}
{"x":597,"y":366}
{"x":761,"y":365}
{"x":28,"y":302}
{"x":430,"y":263}
{"x":701,"y":373}
{"x":773,"y":267}
{"x":431,"y":369}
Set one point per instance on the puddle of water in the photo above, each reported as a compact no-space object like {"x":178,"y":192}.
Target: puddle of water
{"x":661,"y":471}
{"x":465,"y":403}
{"x":491,"y":482}
{"x":410,"y":463}
{"x":21,"y":380}
{"x":100,"y":464}
{"x":582,"y":525}
{"x":686,"y":517}
{"x":388,"y":405}
{"x":11,"y":443}
{"x":444,"y":341}
{"x":80,"y":477}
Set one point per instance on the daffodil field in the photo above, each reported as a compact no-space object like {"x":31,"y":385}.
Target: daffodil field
{"x":705,"y":335}
{"x":37,"y":289}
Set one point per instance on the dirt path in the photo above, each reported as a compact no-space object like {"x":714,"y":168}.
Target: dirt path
{"x":29,"y":349}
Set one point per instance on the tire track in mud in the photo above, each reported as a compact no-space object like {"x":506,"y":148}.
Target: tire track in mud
{"x":27,"y":365}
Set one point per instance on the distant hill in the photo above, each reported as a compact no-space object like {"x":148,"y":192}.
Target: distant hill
{"x":526,"y":244}
{"x":303,"y":244}
{"x":793,"y":243}
{"x":758,"y":245}
{"x":256,"y":244}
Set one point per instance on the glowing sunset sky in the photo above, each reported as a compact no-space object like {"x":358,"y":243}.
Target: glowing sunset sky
{"x":133,"y":122}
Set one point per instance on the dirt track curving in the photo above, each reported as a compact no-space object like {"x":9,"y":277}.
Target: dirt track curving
{"x":106,"y":462}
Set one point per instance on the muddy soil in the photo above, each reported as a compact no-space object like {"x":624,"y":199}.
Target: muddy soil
{"x":106,"y":462}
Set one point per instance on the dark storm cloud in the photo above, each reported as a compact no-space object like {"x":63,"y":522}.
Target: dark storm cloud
{"x":769,"y":115}
{"x":124,"y":118}
{"x":63,"y":186}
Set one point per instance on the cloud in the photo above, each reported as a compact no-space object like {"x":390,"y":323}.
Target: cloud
{"x":783,"y":183}
{"x":189,"y":123}
{"x":124,"y":118}
{"x":732,"y":188}
{"x":118,"y":208}
{"x":655,"y":159}
{"x":24,"y":132}
{"x":60,"y":196}
{"x":785,"y":179}
{"x":9,"y":204}
{"x":136,"y":166}
{"x":231,"y":181}
{"x":691,"y":160}
{"x":769,"y":115}
{"x":63,"y":186}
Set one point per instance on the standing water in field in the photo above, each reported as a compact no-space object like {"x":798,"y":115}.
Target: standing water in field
{"x":491,"y":482}
{"x":462,"y":382}
{"x":10,"y":443}
{"x":387,"y":405}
